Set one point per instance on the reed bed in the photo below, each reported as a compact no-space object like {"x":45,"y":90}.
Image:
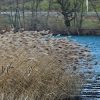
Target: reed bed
{"x":46,"y":71}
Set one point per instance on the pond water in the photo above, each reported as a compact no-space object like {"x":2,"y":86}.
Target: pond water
{"x":91,"y":90}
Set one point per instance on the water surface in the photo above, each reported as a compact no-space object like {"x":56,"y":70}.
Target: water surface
{"x":91,"y":90}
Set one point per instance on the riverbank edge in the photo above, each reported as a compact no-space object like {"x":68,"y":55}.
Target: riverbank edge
{"x":79,"y":32}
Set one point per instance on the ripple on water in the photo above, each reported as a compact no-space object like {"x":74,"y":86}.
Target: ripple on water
{"x":91,"y":90}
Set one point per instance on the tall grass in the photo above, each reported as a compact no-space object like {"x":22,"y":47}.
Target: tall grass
{"x":38,"y":78}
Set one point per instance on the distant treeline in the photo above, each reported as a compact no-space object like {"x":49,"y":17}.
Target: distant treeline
{"x":72,"y":11}
{"x":7,"y":4}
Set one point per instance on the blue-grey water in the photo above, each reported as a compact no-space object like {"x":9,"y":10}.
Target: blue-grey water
{"x":91,"y":90}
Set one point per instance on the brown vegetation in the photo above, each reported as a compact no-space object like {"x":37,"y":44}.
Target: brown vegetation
{"x":36,"y":67}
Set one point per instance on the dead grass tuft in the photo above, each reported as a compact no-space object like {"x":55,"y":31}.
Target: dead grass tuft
{"x":41,"y":78}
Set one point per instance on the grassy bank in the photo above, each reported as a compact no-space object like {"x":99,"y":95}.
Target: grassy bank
{"x":37,"y":67}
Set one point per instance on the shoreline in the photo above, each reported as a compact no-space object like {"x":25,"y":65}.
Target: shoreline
{"x":81,"y":32}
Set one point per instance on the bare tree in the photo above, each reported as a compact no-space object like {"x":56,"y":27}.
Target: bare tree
{"x":67,"y":12}
{"x":17,"y":18}
{"x":34,"y":10}
{"x":23,"y":5}
{"x":32,"y":17}
{"x":49,"y":8}
{"x":71,"y":10}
